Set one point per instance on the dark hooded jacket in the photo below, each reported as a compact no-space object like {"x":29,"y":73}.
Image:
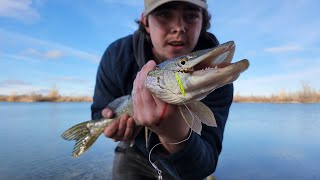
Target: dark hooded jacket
{"x":117,"y":70}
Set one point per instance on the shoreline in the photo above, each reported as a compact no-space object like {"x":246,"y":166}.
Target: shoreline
{"x":237,"y":99}
{"x":294,"y":99}
{"x":305,"y":95}
{"x":40,"y":98}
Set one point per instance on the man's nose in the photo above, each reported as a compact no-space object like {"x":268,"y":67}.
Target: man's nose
{"x":179,"y":25}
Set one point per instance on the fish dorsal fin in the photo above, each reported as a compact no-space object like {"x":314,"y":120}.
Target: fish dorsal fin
{"x":196,"y":113}
{"x":116,"y":103}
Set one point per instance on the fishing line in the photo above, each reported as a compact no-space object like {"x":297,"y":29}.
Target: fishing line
{"x":173,"y":143}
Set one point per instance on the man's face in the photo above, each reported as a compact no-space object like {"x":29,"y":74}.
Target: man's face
{"x":174,"y":29}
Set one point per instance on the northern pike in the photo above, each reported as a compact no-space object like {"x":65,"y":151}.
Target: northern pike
{"x":182,"y":81}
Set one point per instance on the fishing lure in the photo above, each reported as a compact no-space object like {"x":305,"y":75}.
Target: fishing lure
{"x":180,"y":84}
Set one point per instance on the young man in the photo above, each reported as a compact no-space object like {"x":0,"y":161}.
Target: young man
{"x":167,"y":29}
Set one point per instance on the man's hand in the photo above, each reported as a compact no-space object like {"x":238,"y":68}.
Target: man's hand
{"x":160,"y":117}
{"x":121,"y":129}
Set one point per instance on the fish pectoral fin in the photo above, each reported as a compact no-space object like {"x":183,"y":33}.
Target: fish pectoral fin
{"x":204,"y":113}
{"x":193,"y":122}
{"x":195,"y":113}
{"x":83,"y":137}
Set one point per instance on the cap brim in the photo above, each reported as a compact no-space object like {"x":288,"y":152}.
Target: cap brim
{"x":153,"y":6}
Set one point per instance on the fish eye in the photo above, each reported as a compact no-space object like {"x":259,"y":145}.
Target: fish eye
{"x":183,"y":61}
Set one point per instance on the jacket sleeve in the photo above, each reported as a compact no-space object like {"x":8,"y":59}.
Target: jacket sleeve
{"x":200,"y":156}
{"x":105,"y":89}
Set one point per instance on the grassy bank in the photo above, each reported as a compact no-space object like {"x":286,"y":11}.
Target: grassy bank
{"x":52,"y":96}
{"x":305,"y":95}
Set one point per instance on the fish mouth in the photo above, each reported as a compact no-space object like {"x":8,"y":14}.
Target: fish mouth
{"x":201,"y":68}
{"x":218,"y":57}
{"x":233,"y":68}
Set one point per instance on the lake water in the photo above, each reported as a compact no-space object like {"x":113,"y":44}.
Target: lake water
{"x":262,"y":141}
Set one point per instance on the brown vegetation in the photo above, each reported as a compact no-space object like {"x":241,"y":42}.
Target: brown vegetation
{"x":305,"y":95}
{"x":53,"y":96}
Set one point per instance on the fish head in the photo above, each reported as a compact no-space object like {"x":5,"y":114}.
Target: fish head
{"x":200,"y":59}
{"x":181,"y":86}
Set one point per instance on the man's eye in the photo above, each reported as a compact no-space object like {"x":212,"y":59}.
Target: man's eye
{"x":192,"y":16}
{"x":163,"y":14}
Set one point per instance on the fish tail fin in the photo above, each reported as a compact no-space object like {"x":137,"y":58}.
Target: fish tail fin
{"x":82,"y":135}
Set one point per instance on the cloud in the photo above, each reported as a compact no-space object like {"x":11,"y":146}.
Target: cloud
{"x":14,"y":86}
{"x":48,"y":54}
{"x":288,"y":154}
{"x":7,"y":57}
{"x":309,"y":73}
{"x":53,"y":54}
{"x":13,"y":82}
{"x":19,"y":10}
{"x":69,"y":79}
{"x":273,"y":83}
{"x":284,"y":48}
{"x":72,"y":86}
{"x":48,"y":49}
{"x":290,"y":21}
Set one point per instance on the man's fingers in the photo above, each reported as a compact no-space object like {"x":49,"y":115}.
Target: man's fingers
{"x":136,"y":97}
{"x":129,"y":129}
{"x":142,"y":98}
{"x":144,"y":72}
{"x":147,"y":98}
{"x":121,"y":129}
{"x":111,"y":130}
{"x":122,"y":126}
{"x":107,"y":113}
